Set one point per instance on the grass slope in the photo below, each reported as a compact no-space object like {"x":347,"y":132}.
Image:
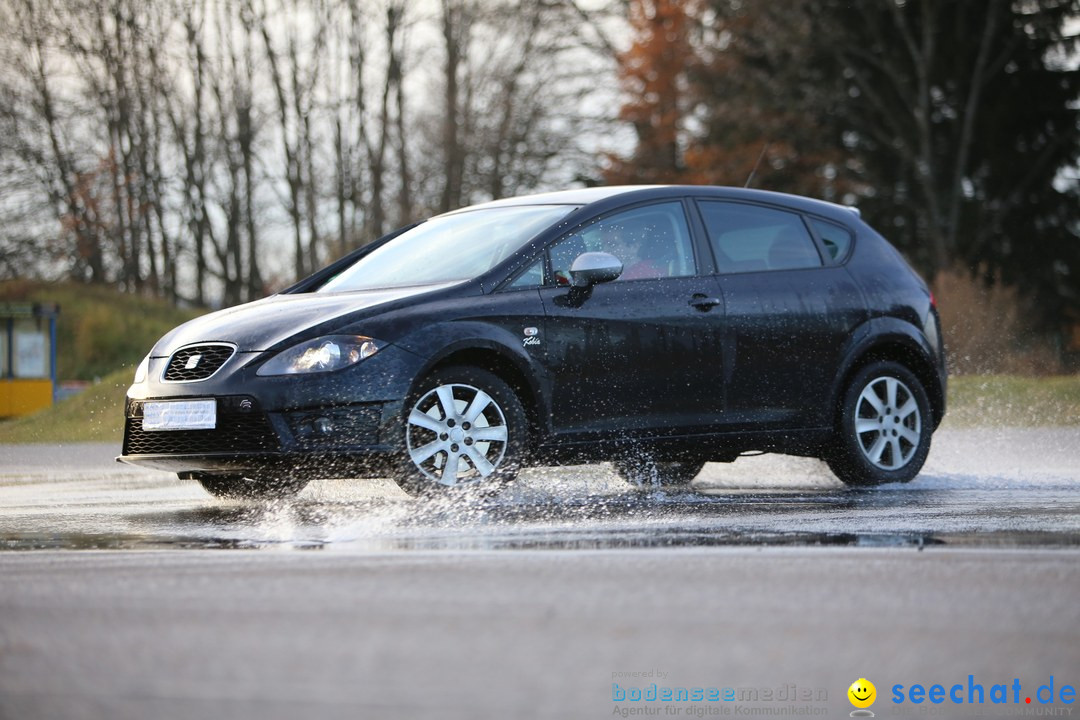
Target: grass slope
{"x":99,"y":329}
{"x":95,"y":415}
{"x":1011,"y":400}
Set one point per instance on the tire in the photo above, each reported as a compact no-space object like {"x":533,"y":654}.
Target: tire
{"x":884,"y":427}
{"x":464,"y":430}
{"x":644,"y":472}
{"x":237,"y":487}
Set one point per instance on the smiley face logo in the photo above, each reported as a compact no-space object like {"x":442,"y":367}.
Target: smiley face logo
{"x":862,"y":693}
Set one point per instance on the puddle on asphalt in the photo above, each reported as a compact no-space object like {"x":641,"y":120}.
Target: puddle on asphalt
{"x":970,"y":499}
{"x":593,"y":517}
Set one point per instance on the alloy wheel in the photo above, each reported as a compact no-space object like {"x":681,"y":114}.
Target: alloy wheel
{"x":888,"y":424}
{"x":456,"y":433}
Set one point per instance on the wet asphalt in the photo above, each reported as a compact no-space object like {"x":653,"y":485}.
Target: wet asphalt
{"x":982,"y":488}
{"x":129,"y":594}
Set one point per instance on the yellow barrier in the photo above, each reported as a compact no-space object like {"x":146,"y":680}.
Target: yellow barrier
{"x":22,"y":397}
{"x":27,"y":357}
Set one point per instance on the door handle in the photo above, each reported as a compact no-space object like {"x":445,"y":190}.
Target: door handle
{"x":704,"y":303}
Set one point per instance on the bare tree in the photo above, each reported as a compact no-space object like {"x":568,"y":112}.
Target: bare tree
{"x":171,"y":143}
{"x":456,"y":21}
{"x":33,"y":115}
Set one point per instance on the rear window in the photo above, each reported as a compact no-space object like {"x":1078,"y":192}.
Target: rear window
{"x":750,"y":238}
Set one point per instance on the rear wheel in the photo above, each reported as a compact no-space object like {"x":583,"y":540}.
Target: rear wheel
{"x":465,"y":429}
{"x":883,"y":434}
{"x":646,"y":472}
{"x":237,"y":487}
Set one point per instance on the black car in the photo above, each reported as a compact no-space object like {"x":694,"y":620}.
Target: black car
{"x":655,"y":327}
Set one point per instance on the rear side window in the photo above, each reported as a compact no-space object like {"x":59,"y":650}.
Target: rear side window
{"x":837,"y":240}
{"x":748,"y":238}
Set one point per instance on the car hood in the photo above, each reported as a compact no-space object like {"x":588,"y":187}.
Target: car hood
{"x":263,"y":324}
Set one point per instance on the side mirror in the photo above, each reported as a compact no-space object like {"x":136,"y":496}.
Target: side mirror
{"x":591,"y":268}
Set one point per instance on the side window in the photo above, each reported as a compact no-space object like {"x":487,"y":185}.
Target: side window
{"x":651,"y":241}
{"x":532,"y":277}
{"x":748,"y":238}
{"x":836,"y":239}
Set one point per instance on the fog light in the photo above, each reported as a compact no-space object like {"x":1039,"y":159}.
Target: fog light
{"x":322,"y":426}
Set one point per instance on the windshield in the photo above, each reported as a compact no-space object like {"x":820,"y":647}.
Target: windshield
{"x":448,"y":248}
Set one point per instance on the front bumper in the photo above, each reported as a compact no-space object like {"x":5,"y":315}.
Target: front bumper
{"x":342,"y":424}
{"x":316,"y":442}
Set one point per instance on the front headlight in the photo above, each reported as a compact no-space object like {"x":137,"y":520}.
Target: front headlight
{"x":142,"y":371}
{"x":324,"y":354}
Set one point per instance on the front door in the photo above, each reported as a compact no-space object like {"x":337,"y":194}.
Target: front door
{"x":638,"y":356}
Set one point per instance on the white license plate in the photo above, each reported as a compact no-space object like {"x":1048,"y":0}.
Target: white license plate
{"x":180,"y":415}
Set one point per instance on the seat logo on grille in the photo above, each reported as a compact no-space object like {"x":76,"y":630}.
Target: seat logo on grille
{"x":193,"y":361}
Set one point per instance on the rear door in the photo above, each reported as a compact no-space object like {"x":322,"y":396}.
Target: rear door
{"x":789,"y":309}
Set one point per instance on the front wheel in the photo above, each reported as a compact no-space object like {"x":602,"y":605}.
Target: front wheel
{"x":883,"y":433}
{"x":236,"y":487}
{"x":465,"y":428}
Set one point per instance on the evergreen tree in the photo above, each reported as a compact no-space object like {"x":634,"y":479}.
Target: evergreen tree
{"x":951,"y":123}
{"x":962,"y":116}
{"x":760,"y":115}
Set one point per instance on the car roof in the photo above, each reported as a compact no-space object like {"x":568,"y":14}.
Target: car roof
{"x":587,"y":196}
{"x":578,"y":196}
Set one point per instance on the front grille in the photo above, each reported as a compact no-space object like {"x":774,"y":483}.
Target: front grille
{"x":197,"y":362}
{"x":234,"y":434}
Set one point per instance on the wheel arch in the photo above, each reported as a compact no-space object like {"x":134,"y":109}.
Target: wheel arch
{"x":894,"y":341}
{"x":489,"y":354}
